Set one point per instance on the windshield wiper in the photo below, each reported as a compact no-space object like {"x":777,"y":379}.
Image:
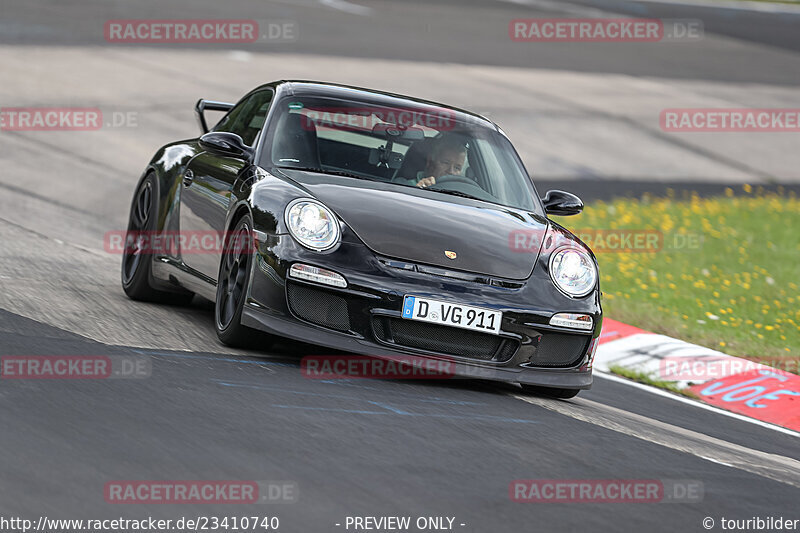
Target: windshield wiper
{"x":324,"y":171}
{"x":456,"y":193}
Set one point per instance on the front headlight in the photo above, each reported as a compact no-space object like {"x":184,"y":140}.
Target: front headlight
{"x":573,"y":272}
{"x":312,"y":224}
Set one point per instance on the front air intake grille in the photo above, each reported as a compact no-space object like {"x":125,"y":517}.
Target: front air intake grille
{"x":318,"y":306}
{"x":560,"y":350}
{"x":443,"y":339}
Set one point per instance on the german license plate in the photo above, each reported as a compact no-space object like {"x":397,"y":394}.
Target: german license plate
{"x":450,"y":314}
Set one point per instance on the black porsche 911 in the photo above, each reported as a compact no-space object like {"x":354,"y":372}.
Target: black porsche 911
{"x":372,"y":223}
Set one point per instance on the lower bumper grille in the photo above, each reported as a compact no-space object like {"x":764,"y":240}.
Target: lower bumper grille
{"x":560,"y":350}
{"x":443,"y":339}
{"x":318,"y":307}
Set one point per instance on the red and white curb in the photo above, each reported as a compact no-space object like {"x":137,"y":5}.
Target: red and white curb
{"x":751,"y":389}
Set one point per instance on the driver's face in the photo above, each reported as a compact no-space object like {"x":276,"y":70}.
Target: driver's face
{"x":447,"y":162}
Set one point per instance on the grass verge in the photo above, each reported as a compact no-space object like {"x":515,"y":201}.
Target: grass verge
{"x":725,"y":274}
{"x":647,"y":379}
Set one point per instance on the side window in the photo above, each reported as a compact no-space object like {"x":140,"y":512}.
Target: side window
{"x":247,"y":118}
{"x":226,"y":124}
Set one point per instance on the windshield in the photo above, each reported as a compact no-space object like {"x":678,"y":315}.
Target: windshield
{"x":420,"y":147}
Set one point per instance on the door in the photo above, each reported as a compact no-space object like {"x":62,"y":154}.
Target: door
{"x":206,"y":191}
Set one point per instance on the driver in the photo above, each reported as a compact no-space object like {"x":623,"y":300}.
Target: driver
{"x":448,"y":156}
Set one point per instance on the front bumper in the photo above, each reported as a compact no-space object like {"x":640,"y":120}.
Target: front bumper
{"x":374,"y":295}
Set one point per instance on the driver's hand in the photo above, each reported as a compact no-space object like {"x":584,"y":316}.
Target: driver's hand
{"x":426,"y":182}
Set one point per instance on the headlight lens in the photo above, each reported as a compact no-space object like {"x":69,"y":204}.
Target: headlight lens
{"x":312,"y":224}
{"x":573,"y":272}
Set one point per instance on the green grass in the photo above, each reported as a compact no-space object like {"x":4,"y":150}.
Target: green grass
{"x":737,"y":293}
{"x":647,"y":379}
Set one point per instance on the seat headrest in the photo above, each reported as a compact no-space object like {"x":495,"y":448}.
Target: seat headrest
{"x":296,"y":142}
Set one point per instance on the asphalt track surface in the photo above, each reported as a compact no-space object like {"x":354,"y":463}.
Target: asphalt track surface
{"x":758,"y":46}
{"x":353,"y":447}
{"x":359,"y":448}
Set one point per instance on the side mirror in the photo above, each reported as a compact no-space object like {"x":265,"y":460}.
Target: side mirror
{"x":225,"y":143}
{"x":562,"y":203}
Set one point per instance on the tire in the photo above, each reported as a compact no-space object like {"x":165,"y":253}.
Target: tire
{"x":549,"y":392}
{"x":232,"y":286}
{"x":137,"y":266}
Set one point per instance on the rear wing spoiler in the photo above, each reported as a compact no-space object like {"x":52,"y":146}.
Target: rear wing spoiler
{"x":211,"y":105}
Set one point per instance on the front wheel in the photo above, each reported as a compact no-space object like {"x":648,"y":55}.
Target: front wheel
{"x":550,"y":392}
{"x":232,"y":287}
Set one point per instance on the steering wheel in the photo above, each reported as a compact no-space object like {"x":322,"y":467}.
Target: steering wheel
{"x":453,"y":178}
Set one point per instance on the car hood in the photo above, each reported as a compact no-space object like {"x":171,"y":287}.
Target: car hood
{"x":420,"y":226}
